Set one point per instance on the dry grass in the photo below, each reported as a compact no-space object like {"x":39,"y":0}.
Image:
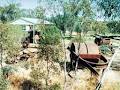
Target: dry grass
{"x":81,"y":80}
{"x":15,"y":82}
{"x":17,"y":78}
{"x":111,"y":86}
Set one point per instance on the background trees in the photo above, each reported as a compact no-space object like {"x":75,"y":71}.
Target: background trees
{"x":114,"y":27}
{"x":74,"y":14}
{"x":10,"y":12}
{"x":109,"y":7}
{"x":100,"y":27}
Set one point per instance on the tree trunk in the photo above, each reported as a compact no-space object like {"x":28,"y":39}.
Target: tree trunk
{"x":1,"y":47}
{"x":47,"y":59}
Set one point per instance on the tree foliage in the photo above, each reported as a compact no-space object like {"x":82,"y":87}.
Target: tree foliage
{"x":8,"y":13}
{"x":3,"y":81}
{"x":110,"y":7}
{"x":39,"y":12}
{"x":114,"y":26}
{"x":50,"y":36}
{"x":59,"y":21}
{"x":27,"y":13}
{"x":32,"y":13}
{"x":10,"y":39}
{"x":50,"y":43}
{"x":99,"y":27}
{"x":71,"y":13}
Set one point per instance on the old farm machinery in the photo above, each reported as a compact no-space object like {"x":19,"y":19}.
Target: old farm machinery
{"x":102,"y":39}
{"x":89,"y":53}
{"x":105,"y":40}
{"x":89,"y":56}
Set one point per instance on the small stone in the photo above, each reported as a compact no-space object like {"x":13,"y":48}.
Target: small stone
{"x":32,"y":45}
{"x":20,"y":53}
{"x":26,"y":51}
{"x":33,"y":50}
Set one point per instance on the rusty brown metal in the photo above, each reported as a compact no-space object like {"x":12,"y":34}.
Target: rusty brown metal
{"x":90,"y":52}
{"x":106,"y":41}
{"x":89,"y":48}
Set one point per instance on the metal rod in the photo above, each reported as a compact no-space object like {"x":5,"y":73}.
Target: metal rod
{"x":105,"y":72}
{"x":33,"y":34}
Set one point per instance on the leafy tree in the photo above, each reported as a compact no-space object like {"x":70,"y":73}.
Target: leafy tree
{"x":114,"y":26}
{"x":72,"y":10}
{"x":109,"y":11}
{"x":50,"y":48}
{"x":8,"y":13}
{"x":77,"y":27}
{"x":50,"y":35}
{"x":39,"y":12}
{"x":59,"y":21}
{"x":99,"y":27}
{"x":110,"y":8}
{"x":9,"y":41}
{"x":27,"y":13}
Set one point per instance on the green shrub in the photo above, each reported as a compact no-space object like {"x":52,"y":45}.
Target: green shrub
{"x":51,"y":52}
{"x":32,"y":85}
{"x":3,"y":82}
{"x":105,"y":49}
{"x":55,"y":87}
{"x":8,"y":70}
{"x":50,"y":43}
{"x":10,"y":39}
{"x":37,"y":75}
{"x":50,"y":36}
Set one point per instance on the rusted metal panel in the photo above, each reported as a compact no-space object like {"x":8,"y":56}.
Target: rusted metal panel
{"x":106,"y":41}
{"x":90,"y":56}
{"x":89,"y":48}
{"x":90,"y":52}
